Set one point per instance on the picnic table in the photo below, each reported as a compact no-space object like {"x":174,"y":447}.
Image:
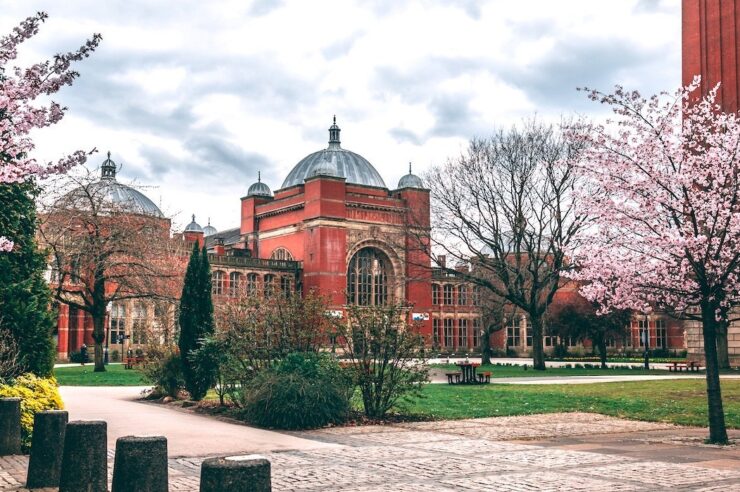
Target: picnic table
{"x":130,"y":362}
{"x":467,"y":372}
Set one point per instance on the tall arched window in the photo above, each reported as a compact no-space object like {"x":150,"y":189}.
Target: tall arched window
{"x":368,"y":276}
{"x":447,"y":299}
{"x":281,"y":254}
{"x":117,"y":322}
{"x":139,"y":323}
{"x":462,"y":295}
{"x":236,"y":284}
{"x":218,"y":282}
{"x":435,"y":294}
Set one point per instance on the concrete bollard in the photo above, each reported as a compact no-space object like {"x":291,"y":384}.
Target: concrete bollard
{"x":47,"y":445}
{"x":140,"y":464}
{"x":10,"y":426}
{"x":235,"y":474}
{"x":85,"y":460}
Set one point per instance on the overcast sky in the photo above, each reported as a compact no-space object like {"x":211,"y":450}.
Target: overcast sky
{"x":194,"y":97}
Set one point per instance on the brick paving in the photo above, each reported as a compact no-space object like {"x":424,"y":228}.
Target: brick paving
{"x":573,"y":452}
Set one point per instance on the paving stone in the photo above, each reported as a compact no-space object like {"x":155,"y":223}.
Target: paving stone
{"x":656,"y":473}
{"x":547,"y":481}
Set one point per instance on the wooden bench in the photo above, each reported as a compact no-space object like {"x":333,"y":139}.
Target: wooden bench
{"x":451,"y":375}
{"x":484,"y":377}
{"x":133,"y":361}
{"x":679,"y":367}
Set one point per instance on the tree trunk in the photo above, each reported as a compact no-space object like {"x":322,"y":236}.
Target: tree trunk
{"x":99,"y":338}
{"x":717,"y":429}
{"x":602,"y":351}
{"x":486,"y":343}
{"x":723,"y":352}
{"x":538,"y":350}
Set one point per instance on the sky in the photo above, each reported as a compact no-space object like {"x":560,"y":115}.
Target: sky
{"x":193,"y":98}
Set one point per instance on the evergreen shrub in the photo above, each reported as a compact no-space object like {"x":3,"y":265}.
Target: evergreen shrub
{"x":304,"y":391}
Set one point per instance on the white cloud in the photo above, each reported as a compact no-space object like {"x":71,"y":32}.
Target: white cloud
{"x":195,"y":97}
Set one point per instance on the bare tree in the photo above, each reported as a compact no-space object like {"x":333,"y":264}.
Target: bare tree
{"x":507,"y":207}
{"x":105,"y":250}
{"x":9,"y":355}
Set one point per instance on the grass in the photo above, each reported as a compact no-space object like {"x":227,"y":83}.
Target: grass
{"x":674,"y":401}
{"x":520,"y":372}
{"x":115,"y":375}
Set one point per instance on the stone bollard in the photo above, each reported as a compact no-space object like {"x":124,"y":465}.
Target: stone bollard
{"x":85,"y":460}
{"x":235,"y":474}
{"x":140,"y":464}
{"x":47,"y":445}
{"x":10,"y":426}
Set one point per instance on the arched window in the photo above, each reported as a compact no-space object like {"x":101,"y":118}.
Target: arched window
{"x":435,"y":294}
{"x":218,"y":282}
{"x":447,"y":289}
{"x":251,"y":284}
{"x":368,"y":277}
{"x":462,"y":295}
{"x":269,"y":285}
{"x":281,"y":254}
{"x":236,"y":284}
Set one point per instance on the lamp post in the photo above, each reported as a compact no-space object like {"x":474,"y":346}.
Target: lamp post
{"x":108,"y":309}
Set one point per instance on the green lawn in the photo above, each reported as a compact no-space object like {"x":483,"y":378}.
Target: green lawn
{"x":115,"y":375}
{"x":520,"y":372}
{"x":679,"y":402}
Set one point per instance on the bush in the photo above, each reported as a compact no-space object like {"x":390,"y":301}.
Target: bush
{"x":38,"y":394}
{"x":304,"y":391}
{"x":115,"y":356}
{"x":510,"y":352}
{"x":560,"y":351}
{"x":164,"y":369}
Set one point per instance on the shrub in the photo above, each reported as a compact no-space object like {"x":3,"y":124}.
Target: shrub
{"x":38,"y":394}
{"x":115,"y":356}
{"x":560,"y":351}
{"x":76,"y":357}
{"x":164,"y":369}
{"x":510,"y":352}
{"x":304,"y":391}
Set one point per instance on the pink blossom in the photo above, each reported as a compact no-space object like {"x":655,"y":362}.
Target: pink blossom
{"x":18,"y":112}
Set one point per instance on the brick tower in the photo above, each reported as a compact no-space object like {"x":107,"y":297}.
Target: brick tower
{"x":711,"y":35}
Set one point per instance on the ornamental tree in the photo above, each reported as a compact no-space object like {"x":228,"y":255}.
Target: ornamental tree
{"x":663,"y":182}
{"x":19,"y":114}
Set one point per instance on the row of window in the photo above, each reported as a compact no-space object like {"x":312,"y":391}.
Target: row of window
{"x":514,"y":335}
{"x":237,"y":284}
{"x":455,"y":334}
{"x":139,"y":322}
{"x":451,"y":295}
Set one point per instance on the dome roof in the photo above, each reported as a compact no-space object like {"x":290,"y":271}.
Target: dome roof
{"x":259,"y":188}
{"x":116,"y":195}
{"x":193,"y":226}
{"x":340,"y":162}
{"x":410,"y":180}
{"x":209,"y":230}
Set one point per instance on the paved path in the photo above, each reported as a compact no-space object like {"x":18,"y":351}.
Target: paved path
{"x":438,"y":377}
{"x":555,"y":452}
{"x":187,"y":434}
{"x":527,"y":361}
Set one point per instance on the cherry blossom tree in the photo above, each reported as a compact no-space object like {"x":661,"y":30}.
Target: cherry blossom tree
{"x":663,"y":183}
{"x":20,"y":112}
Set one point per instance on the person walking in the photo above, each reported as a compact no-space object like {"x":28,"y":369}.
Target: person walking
{"x":83,"y":354}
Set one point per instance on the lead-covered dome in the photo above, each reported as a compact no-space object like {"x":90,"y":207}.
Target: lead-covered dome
{"x":118,"y":196}
{"x":209,"y":230}
{"x":193,"y":226}
{"x":341,"y":162}
{"x":410,"y":180}
{"x":259,"y":188}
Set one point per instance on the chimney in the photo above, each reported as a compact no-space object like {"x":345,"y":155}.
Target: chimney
{"x":218,"y":248}
{"x":442,"y":261}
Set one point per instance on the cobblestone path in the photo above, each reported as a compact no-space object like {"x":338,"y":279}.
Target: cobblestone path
{"x":568,"y":452}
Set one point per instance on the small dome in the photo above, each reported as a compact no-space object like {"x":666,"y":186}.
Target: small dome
{"x":410,"y":180}
{"x":209,"y":230}
{"x":353,"y":167}
{"x":193,"y":226}
{"x":259,"y":188}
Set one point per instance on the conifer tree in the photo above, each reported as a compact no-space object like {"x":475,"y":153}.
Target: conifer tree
{"x":196,"y":320}
{"x":24,"y":295}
